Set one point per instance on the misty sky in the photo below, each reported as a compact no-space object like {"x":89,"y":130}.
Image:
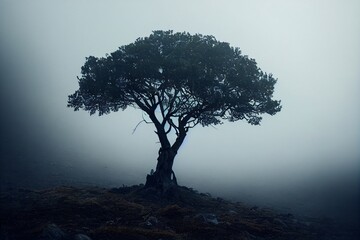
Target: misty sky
{"x":312,"y":47}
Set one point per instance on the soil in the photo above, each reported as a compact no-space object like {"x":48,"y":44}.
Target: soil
{"x":138,"y":213}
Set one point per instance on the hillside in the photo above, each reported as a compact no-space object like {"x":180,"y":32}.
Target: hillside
{"x":134,"y":213}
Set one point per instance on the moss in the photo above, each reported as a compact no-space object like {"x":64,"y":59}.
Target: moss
{"x":174,"y":211}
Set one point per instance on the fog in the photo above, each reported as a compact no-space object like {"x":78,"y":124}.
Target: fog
{"x":305,"y":159}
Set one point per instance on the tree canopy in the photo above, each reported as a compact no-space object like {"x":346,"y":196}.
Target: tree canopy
{"x":189,"y":79}
{"x":179,"y":80}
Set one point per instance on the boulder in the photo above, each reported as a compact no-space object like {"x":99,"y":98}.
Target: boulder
{"x":207,"y":218}
{"x":81,"y":237}
{"x":53,"y":232}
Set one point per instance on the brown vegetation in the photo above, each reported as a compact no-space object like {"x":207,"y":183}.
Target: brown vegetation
{"x":137,"y":213}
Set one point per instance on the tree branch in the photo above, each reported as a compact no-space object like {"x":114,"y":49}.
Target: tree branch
{"x":180,"y":138}
{"x":140,"y":123}
{"x":141,"y":105}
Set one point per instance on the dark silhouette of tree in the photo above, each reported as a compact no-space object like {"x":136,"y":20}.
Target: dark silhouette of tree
{"x":179,"y":80}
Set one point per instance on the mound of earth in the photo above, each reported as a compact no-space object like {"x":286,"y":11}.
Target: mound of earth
{"x":132,"y":213}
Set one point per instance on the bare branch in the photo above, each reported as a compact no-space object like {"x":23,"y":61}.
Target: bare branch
{"x":144,"y":120}
{"x":169,"y":130}
{"x":137,"y":126}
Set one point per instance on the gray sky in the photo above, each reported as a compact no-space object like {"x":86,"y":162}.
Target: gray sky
{"x":312,"y":47}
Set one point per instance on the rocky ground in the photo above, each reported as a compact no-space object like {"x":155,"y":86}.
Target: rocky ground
{"x":130,"y":213}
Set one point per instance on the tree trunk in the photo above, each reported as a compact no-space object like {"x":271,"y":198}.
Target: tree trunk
{"x":164,"y":177}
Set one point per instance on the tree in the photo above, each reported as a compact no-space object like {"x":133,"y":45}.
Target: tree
{"x":179,"y":80}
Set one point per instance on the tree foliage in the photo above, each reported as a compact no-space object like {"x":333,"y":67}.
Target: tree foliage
{"x":180,"y":80}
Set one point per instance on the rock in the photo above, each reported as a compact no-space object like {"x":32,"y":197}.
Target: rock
{"x":52,"y":232}
{"x":207,"y":218}
{"x":232,"y":212}
{"x":113,"y":222}
{"x":81,"y":237}
{"x":248,"y":236}
{"x":150,"y":222}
